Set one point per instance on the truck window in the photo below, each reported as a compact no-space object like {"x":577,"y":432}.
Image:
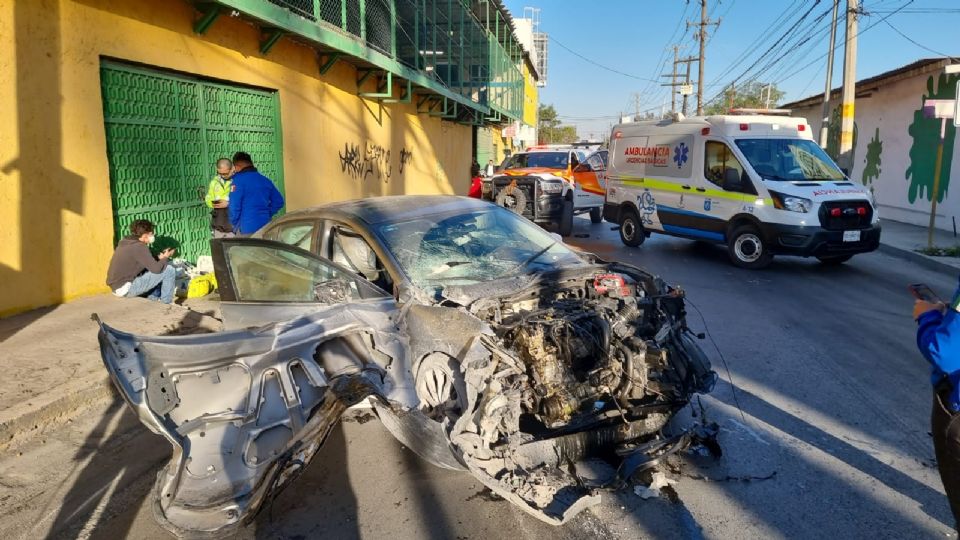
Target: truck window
{"x":718,"y":159}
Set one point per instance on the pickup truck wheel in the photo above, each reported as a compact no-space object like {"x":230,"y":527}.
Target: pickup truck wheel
{"x":747,"y":248}
{"x":596,"y":215}
{"x":834,"y":260}
{"x":566,"y":219}
{"x":631,"y":229}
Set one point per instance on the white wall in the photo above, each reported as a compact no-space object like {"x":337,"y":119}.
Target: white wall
{"x":891,"y":110}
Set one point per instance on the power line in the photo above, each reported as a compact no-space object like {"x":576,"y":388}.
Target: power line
{"x":824,"y":55}
{"x":911,"y":40}
{"x":597,"y":64}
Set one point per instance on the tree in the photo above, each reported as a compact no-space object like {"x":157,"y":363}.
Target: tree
{"x":753,"y":95}
{"x":551,"y":129}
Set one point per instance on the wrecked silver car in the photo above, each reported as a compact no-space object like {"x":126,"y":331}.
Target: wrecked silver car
{"x":497,"y":350}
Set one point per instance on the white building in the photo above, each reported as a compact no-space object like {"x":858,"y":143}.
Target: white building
{"x":895,"y":147}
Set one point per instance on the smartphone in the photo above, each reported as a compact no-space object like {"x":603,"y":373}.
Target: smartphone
{"x":921,"y":291}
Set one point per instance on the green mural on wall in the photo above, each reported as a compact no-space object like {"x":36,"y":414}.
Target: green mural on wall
{"x":871,"y":169}
{"x":925,"y":133}
{"x":833,"y":136}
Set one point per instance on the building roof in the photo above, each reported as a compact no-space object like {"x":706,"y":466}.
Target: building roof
{"x":865,"y":87}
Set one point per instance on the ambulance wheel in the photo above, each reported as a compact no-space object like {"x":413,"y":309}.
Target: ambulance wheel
{"x":631,"y":229}
{"x":596,"y":215}
{"x":834,"y":260}
{"x":566,"y":219}
{"x":747,"y":248}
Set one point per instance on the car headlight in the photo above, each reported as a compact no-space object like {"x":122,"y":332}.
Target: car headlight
{"x":791,"y":203}
{"x":553,"y":186}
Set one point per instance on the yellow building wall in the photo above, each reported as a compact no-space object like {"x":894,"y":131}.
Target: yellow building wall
{"x":56,"y":234}
{"x":531,"y":97}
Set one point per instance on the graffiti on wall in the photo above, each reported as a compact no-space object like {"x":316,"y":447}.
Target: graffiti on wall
{"x":871,"y":169}
{"x":925,"y":133}
{"x":371,"y":161}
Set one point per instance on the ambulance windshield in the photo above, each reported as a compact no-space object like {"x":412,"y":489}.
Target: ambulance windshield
{"x":789,"y":159}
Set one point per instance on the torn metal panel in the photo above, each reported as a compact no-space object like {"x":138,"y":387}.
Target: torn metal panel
{"x":245,"y":410}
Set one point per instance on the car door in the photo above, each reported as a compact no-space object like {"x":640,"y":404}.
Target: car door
{"x":246,"y":410}
{"x":262,"y":281}
{"x":590,"y":178}
{"x":716,"y":198}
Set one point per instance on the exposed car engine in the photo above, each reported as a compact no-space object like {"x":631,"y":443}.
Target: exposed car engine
{"x":590,"y":364}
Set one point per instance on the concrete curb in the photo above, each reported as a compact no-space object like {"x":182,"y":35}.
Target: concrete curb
{"x":926,"y":261}
{"x":54,"y":407}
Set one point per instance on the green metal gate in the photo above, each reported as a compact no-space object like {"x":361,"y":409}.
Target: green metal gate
{"x":164,"y":135}
{"x":485,"y":149}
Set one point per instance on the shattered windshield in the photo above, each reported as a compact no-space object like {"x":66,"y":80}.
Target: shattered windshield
{"x":551,"y":160}
{"x":789,"y":159}
{"x":472,"y":247}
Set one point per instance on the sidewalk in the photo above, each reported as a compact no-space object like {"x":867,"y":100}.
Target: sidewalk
{"x":50,"y":358}
{"x":902,"y":240}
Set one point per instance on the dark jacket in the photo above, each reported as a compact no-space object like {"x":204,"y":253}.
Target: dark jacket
{"x":130,"y":260}
{"x":253,"y":201}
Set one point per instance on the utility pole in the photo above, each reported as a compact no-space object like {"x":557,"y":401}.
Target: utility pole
{"x":673,"y":81}
{"x":824,"y":124}
{"x":849,"y":88}
{"x":702,"y":33}
{"x":636,"y":106}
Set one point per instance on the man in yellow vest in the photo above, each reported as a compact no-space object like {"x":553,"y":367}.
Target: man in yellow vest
{"x":218,"y":199}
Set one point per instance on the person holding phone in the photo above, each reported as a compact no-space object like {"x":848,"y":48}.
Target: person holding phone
{"x":938,"y":337}
{"x":218,"y":200}
{"x":134,"y":272}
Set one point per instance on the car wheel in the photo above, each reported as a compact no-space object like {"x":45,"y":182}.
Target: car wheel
{"x":631,"y":229}
{"x":747,"y":248}
{"x":566,"y":219}
{"x":834,"y":260}
{"x":596,"y":215}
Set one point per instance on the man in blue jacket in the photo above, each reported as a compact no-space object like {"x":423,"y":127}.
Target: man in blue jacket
{"x":938,"y":337}
{"x":254,"y":199}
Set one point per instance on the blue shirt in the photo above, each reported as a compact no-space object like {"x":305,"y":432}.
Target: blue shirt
{"x":938,"y":337}
{"x":253,"y":201}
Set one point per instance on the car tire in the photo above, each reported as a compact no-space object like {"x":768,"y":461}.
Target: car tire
{"x":565,"y":227}
{"x":834,"y":260}
{"x":747,"y":248}
{"x":631,"y":229}
{"x":596,"y":215}
{"x":515,"y":201}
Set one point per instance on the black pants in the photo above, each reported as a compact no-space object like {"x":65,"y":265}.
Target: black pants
{"x":946,"y":444}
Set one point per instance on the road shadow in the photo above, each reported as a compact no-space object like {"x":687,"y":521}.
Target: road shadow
{"x":318,"y":504}
{"x":116,"y":455}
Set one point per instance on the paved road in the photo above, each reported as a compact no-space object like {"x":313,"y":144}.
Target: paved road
{"x":835,"y":412}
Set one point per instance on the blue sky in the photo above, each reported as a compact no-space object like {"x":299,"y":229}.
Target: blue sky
{"x":634,"y":36}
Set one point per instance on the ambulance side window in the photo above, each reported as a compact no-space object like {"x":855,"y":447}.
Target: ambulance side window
{"x":719,"y":163}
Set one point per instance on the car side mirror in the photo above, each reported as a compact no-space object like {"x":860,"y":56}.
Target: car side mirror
{"x":731,"y":180}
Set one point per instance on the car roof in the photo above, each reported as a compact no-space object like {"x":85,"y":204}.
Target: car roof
{"x":390,"y":208}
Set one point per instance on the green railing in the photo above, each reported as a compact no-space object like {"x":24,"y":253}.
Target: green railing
{"x":468,"y":56}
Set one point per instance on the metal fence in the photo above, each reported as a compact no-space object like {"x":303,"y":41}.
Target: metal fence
{"x":459,"y":49}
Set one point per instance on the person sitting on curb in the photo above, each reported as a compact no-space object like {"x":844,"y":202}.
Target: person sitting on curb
{"x":134,"y":272}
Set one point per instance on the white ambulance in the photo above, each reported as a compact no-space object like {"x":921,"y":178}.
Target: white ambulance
{"x":757,"y":183}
